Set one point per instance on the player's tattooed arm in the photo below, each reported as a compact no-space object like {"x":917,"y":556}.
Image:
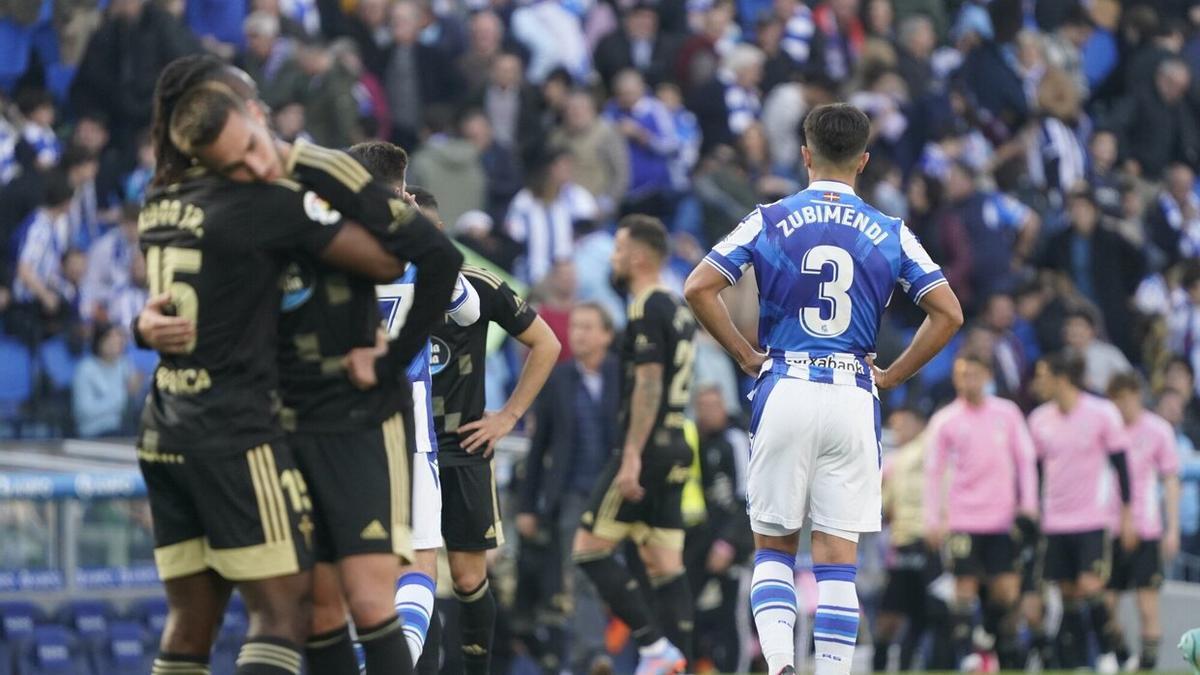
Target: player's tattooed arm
{"x":643,"y":412}
{"x":703,"y":294}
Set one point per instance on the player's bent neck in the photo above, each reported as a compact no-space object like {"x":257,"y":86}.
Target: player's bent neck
{"x":836,"y":176}
{"x":640,"y":283}
{"x":1067,"y":400}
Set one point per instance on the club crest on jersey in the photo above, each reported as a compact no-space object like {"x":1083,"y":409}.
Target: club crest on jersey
{"x":439,"y":355}
{"x":319,"y":210}
{"x":297,"y":286}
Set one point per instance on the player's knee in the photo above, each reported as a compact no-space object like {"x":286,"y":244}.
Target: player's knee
{"x":661,"y":563}
{"x":1090,"y":585}
{"x":327,"y":616}
{"x":281,"y":608}
{"x":588,"y":543}
{"x":185,"y":633}
{"x":834,"y":548}
{"x":467,"y":579}
{"x":426,"y":564}
{"x":371,"y":609}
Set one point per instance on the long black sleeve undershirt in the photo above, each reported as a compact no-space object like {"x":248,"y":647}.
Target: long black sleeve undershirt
{"x":1121,"y":465}
{"x":401,"y":229}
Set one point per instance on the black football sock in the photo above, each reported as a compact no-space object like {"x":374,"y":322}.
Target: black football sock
{"x":386,"y":648}
{"x":331,"y":653}
{"x":1107,"y":630}
{"x":1149,"y":656}
{"x":179,"y":664}
{"x":478,"y":620}
{"x":879,"y":659}
{"x":673,"y":597}
{"x":1072,"y":636}
{"x":1000,"y":621}
{"x":268,"y":656}
{"x":962,"y":626}
{"x":622,"y":594}
{"x":431,"y":657}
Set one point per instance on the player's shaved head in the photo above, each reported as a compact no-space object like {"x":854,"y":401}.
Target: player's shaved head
{"x":836,"y":134}
{"x":179,"y":77}
{"x":200,"y":116}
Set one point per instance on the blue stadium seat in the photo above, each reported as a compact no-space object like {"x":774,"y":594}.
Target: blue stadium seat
{"x":16,"y":41}
{"x":16,"y":375}
{"x":17,"y":621}
{"x":235,"y":622}
{"x":88,"y":618}
{"x":125,"y":650}
{"x":229,"y":640}
{"x":145,"y":360}
{"x":54,"y":650}
{"x":151,"y":613}
{"x":57,"y":362}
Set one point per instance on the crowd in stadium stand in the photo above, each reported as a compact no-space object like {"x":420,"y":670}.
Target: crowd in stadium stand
{"x":1046,"y":152}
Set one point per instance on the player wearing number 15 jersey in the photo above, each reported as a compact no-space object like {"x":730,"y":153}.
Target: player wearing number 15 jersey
{"x":827,"y":264}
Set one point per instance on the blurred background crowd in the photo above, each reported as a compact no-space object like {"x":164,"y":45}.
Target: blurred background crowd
{"x":1045,"y":151}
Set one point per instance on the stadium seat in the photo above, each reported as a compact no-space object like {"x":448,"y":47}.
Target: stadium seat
{"x":125,"y":650}
{"x":229,"y":640}
{"x":145,"y":360}
{"x":16,"y":41}
{"x":54,"y":650}
{"x":16,"y":373}
{"x":88,"y":618}
{"x":151,"y":613}
{"x":17,"y":620}
{"x":57,"y":363}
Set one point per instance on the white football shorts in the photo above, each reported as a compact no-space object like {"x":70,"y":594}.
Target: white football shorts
{"x":427,"y":485}
{"x":814,"y":450}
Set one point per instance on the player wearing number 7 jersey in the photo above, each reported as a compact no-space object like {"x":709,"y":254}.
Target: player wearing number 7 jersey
{"x":827,"y":264}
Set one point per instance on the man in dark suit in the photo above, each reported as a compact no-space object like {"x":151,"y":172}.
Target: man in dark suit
{"x":416,"y":76}
{"x":638,"y":44}
{"x":1103,"y":265}
{"x":511,"y":104}
{"x":575,"y":432}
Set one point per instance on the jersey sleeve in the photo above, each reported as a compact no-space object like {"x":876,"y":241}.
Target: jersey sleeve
{"x":918,"y":273}
{"x":733,"y":255}
{"x":1025,"y":459}
{"x":1115,"y":437}
{"x":650,"y":327}
{"x":288,"y":217}
{"x":1167,"y":460}
{"x":937,"y":449}
{"x":502,"y":305}
{"x":348,"y":187}
{"x":464,"y":303}
{"x":1012,"y":212}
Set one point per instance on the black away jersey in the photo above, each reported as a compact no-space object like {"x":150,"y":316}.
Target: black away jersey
{"x":457,"y":361}
{"x":220,"y":248}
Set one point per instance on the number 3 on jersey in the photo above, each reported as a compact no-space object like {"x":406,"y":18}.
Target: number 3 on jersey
{"x":831,"y":316}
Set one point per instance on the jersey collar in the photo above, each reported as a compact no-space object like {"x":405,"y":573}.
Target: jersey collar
{"x":831,"y":186}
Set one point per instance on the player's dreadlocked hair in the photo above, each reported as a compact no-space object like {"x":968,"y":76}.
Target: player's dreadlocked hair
{"x":177,"y":78}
